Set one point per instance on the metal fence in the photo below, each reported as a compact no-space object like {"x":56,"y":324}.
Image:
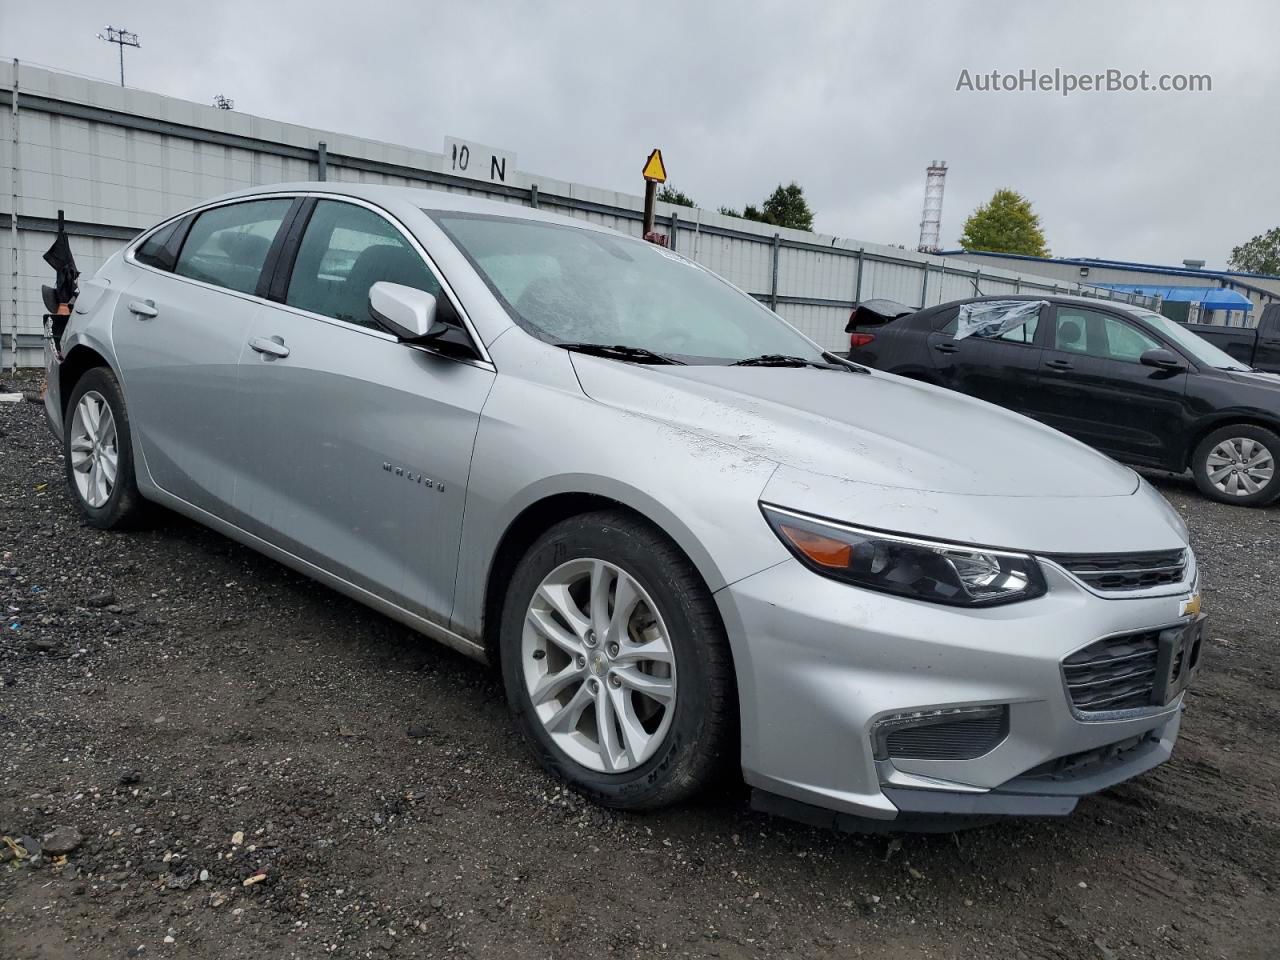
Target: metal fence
{"x":118,"y":160}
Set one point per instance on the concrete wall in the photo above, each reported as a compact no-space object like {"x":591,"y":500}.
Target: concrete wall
{"x":118,"y":160}
{"x":1260,"y":290}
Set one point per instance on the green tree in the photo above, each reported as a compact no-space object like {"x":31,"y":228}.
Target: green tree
{"x":1259,"y":255}
{"x":1005,"y":224}
{"x":785,"y":207}
{"x":669,"y":194}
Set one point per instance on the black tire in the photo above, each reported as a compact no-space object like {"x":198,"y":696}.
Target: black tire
{"x":701,"y":743}
{"x":124,"y":507}
{"x":1200,"y":465}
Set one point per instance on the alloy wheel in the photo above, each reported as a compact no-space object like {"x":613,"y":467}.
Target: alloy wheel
{"x":1240,"y":466}
{"x":598,"y":665}
{"x":95,"y":455}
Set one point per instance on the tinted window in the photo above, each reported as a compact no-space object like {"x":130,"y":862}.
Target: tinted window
{"x":345,"y":250}
{"x":159,"y":249}
{"x":1099,"y":335}
{"x":228,"y":245}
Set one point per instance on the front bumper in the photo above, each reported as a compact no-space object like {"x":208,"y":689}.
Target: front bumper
{"x":820,"y":663}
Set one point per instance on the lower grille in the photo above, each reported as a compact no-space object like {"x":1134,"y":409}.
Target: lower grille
{"x":1117,"y":673}
{"x":1125,"y":571}
{"x":1085,"y":762}
{"x":962,"y":734}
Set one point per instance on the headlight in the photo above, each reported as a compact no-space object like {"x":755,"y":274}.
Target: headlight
{"x":949,"y":573}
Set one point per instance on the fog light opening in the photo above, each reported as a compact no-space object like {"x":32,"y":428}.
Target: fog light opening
{"x":953,"y":733}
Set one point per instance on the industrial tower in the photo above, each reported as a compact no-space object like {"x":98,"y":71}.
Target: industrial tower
{"x":935,"y":181}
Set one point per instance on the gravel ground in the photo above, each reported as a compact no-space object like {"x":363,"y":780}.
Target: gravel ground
{"x":240,"y":763}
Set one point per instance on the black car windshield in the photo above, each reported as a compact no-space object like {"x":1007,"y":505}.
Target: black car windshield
{"x":570,"y":285}
{"x":1200,"y":349}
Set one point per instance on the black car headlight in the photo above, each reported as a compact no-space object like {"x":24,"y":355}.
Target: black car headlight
{"x":950,"y":573}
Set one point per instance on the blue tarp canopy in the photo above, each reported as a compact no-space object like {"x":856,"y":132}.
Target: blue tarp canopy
{"x":1209,"y":298}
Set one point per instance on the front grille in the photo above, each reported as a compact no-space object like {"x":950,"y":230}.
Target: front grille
{"x":1125,"y":571}
{"x":1117,"y":673}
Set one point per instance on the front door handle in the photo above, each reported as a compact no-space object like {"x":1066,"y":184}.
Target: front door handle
{"x":1058,"y":364}
{"x":946,"y":347}
{"x":143,"y":308}
{"x":271,"y":348}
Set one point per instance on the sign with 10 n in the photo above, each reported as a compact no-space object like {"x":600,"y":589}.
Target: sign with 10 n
{"x":465,"y":158}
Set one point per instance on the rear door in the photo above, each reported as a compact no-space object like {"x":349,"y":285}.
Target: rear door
{"x":357,"y":446}
{"x":1000,"y":369}
{"x":1094,"y":387}
{"x":178,"y":333}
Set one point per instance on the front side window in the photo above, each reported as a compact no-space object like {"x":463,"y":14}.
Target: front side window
{"x":345,"y":250}
{"x":566,"y":284}
{"x":1126,"y":343}
{"x":1198,"y":348}
{"x":228,"y":245}
{"x":1101,"y":335}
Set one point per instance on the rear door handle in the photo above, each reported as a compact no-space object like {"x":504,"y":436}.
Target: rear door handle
{"x":1271,"y":342}
{"x":143,"y":308}
{"x":1058,"y":364}
{"x":271,"y":348}
{"x":946,"y":347}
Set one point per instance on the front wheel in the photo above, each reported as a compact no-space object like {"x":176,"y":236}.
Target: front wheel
{"x":1237,"y":465}
{"x":616,"y":665}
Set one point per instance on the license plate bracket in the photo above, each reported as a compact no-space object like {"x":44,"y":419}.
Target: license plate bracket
{"x":1178,"y":659}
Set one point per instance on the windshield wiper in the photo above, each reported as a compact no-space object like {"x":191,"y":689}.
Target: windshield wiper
{"x":619,"y":351}
{"x":781,"y":360}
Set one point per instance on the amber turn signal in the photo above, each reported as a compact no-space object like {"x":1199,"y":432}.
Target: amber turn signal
{"x":824,"y":551}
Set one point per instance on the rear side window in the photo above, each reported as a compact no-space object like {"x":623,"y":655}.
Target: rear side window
{"x":345,"y":250}
{"x":160,"y":250}
{"x":228,"y":246}
{"x":1023,"y":333}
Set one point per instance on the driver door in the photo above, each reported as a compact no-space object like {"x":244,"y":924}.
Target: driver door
{"x":1094,"y":387}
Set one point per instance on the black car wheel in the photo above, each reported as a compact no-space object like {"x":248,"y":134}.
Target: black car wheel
{"x":98,"y":455}
{"x":1238,"y":465}
{"x":616,"y":664}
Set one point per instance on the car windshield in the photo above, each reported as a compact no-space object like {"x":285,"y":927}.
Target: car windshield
{"x":568,"y":285}
{"x":1200,"y":349}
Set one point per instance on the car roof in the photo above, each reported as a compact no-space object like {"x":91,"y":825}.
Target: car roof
{"x":422,"y":198}
{"x":1051,"y":298}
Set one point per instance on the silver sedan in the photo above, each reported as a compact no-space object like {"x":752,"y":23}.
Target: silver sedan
{"x":696,"y":544}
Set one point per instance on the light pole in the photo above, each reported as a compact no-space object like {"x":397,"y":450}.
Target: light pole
{"x":121,"y":38}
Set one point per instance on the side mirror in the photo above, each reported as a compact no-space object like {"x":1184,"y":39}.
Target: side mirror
{"x":407,"y":312}
{"x":1163,"y":359}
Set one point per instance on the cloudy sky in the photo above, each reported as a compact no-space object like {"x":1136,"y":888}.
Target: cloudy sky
{"x":850,"y":99}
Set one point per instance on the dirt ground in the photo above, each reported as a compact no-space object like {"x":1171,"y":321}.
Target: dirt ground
{"x":202,"y":717}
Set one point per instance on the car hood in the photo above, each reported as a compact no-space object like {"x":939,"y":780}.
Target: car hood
{"x":869,"y":428}
{"x":1254,"y":378}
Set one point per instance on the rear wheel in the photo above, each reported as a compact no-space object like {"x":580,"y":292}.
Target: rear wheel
{"x":97,"y":449}
{"x":615,"y":663}
{"x":1238,"y":465}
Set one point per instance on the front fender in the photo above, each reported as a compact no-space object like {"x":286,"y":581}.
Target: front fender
{"x":536,"y":441}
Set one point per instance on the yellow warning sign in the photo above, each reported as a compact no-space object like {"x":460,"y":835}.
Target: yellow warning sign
{"x":654,"y":169}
